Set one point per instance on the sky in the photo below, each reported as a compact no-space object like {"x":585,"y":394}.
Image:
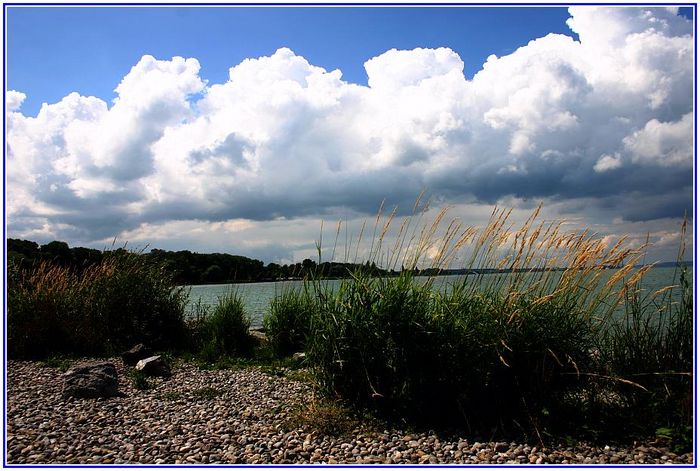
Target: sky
{"x":241,"y":129}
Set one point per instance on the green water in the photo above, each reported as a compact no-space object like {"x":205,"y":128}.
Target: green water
{"x":257,"y":296}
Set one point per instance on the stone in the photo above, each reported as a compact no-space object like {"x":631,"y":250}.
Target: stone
{"x":135,"y":354}
{"x":91,"y":379}
{"x":259,"y":336}
{"x":153,"y":366}
{"x":501,"y":447}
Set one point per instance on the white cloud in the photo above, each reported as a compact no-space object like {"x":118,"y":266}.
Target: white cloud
{"x":13,"y":100}
{"x":665,"y":144}
{"x":608,"y":162}
{"x":285,"y":138}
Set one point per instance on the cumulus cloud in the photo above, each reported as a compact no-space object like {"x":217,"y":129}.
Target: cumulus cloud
{"x":607,"y":119}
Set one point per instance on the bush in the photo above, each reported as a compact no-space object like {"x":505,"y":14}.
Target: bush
{"x":514,"y":350}
{"x":649,"y":349}
{"x":396,"y":346}
{"x":288,"y":321}
{"x":102,"y":309}
{"x":225,"y":331}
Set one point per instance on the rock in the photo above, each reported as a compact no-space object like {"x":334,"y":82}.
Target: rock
{"x":501,"y":447}
{"x":259,"y":336}
{"x":153,"y":366}
{"x":138,"y":352}
{"x":91,"y":379}
{"x":299,"y":357}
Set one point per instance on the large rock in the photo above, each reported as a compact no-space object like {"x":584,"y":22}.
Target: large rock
{"x":153,"y":366}
{"x":137,"y":352}
{"x":91,"y":379}
{"x":259,"y":336}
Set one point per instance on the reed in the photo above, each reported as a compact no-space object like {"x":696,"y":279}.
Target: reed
{"x":123,"y":300}
{"x":224,"y":332}
{"x":288,"y":321}
{"x":512,"y":350}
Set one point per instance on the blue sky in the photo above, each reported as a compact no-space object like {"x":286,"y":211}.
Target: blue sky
{"x":143,"y":138}
{"x":53,"y":51}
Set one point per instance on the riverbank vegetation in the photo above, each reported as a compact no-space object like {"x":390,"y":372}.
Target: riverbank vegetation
{"x":531,"y":350}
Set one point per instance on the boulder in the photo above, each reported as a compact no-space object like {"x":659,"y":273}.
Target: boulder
{"x":259,"y":337}
{"x":137,"y":352}
{"x":153,"y":366}
{"x":91,"y":379}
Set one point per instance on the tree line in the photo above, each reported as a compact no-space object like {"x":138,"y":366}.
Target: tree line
{"x":189,"y":268}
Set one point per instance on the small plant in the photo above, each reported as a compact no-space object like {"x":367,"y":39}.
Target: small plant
{"x":172,"y":396}
{"x":323,"y":416}
{"x":139,"y":380}
{"x":61,"y":363}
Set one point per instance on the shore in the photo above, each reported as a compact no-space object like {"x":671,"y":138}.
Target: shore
{"x":239,"y":416}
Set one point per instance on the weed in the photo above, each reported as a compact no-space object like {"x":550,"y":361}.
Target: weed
{"x":63,"y":364}
{"x":139,"y":380}
{"x":323,"y":416}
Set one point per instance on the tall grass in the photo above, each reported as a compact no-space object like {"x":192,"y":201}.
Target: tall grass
{"x":224,"y":332}
{"x":288,"y":321}
{"x":123,"y":300}
{"x":511,"y":350}
{"x":650,"y":349}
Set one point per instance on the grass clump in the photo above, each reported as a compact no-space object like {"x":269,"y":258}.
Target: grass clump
{"x":139,"y":380}
{"x":61,"y":363}
{"x":287,"y":323}
{"x":224,"y":332}
{"x":531,"y":337}
{"x":649,"y":350}
{"x":105,"y":308}
{"x":322,"y":416}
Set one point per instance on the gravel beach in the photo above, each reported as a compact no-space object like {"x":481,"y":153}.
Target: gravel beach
{"x":236,"y":416}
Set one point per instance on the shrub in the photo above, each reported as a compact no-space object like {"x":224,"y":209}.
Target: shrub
{"x":396,"y":346}
{"x":510,"y":350}
{"x":104,"y":308}
{"x":649,"y":349}
{"x":287,"y":323}
{"x":225,"y":330}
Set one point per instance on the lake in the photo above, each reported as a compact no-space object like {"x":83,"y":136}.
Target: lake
{"x":257,"y":296}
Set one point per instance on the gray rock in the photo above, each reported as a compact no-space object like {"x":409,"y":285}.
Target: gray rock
{"x":153,"y":366}
{"x":501,"y":447}
{"x":136,"y":353}
{"x":91,"y":379}
{"x":299,"y":357}
{"x":259,"y":336}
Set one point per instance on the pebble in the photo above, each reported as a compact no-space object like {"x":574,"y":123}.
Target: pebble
{"x":245,"y":424}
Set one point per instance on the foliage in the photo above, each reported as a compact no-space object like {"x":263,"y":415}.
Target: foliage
{"x":518,"y":350}
{"x":287,"y":323}
{"x":322,"y":416}
{"x":649,"y":348}
{"x":102,"y":309}
{"x":224,"y":332}
{"x":139,"y":380}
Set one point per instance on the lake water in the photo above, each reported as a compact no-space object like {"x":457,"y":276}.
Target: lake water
{"x":257,"y":296}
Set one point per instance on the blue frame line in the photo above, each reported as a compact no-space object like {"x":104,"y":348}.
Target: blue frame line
{"x":695,"y":241}
{"x":4,"y":251}
{"x":515,"y":4}
{"x":377,"y":4}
